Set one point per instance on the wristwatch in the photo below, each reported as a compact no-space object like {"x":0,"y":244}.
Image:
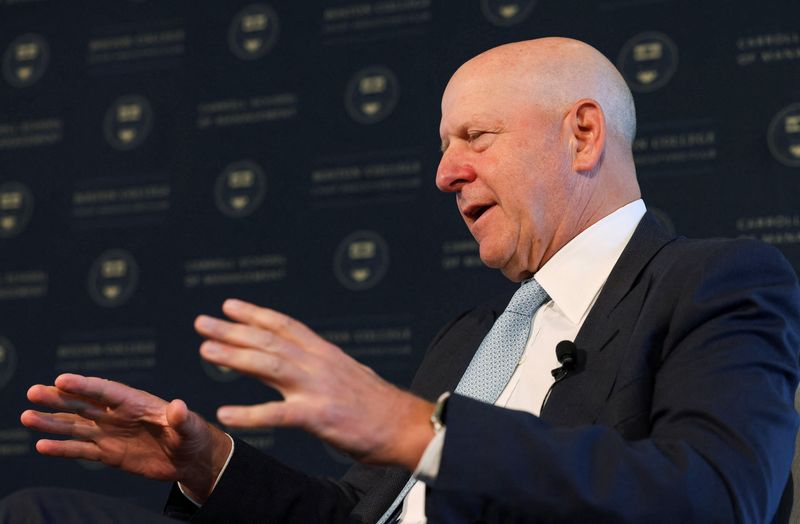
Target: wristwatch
{"x":439,"y":414}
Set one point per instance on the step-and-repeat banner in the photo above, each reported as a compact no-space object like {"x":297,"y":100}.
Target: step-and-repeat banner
{"x":158,"y":157}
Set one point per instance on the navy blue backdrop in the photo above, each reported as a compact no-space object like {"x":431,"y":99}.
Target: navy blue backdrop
{"x":158,"y":157}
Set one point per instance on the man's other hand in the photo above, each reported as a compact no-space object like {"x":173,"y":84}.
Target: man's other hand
{"x":325,"y":391}
{"x":129,"y":429}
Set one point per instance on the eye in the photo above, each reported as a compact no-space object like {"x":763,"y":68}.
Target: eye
{"x":479,"y":140}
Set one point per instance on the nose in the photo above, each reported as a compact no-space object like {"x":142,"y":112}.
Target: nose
{"x":453,"y":172}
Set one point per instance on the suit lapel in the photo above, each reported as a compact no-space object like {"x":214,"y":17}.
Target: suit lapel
{"x":603,"y":338}
{"x":443,"y":368}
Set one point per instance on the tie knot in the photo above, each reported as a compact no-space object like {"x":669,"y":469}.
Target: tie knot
{"x":527,"y":299}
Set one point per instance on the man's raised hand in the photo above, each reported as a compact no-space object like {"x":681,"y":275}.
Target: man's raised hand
{"x":325,"y":391}
{"x":130,"y":429}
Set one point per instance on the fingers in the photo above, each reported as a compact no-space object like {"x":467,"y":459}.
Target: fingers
{"x":275,"y":369}
{"x":59,"y":423}
{"x":58,"y":400}
{"x":241,"y":335}
{"x":103,"y":391}
{"x":63,"y":424}
{"x":68,"y":449}
{"x":270,"y":320}
{"x":270,"y":414}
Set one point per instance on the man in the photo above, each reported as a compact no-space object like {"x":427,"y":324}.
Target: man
{"x":680,"y":408}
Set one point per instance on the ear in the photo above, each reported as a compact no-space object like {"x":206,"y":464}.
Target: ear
{"x":587,"y":125}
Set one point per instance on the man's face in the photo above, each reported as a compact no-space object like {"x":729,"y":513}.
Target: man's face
{"x":504,"y":159}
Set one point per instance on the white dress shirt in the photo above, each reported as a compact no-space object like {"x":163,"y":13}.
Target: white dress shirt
{"x":573,"y":278}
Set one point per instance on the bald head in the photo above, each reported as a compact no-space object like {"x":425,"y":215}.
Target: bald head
{"x":557,"y":72}
{"x":536,"y":141}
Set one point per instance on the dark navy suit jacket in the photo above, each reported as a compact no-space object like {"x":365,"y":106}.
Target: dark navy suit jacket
{"x":680,"y":410}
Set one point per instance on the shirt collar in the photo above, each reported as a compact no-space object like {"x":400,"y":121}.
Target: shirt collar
{"x":574,"y":276}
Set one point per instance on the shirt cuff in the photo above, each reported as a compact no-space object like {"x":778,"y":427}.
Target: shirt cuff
{"x":224,"y":466}
{"x":428,"y":467}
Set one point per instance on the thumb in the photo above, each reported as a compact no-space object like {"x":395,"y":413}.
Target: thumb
{"x":187,"y":423}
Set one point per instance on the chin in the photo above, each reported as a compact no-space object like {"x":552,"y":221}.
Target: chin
{"x":508,"y":266}
{"x":504,"y":264}
{"x":491,"y":258}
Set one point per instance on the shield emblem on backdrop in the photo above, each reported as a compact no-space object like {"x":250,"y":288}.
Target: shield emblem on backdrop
{"x":253,"y":31}
{"x":113,"y":278}
{"x":507,"y":12}
{"x":371,"y":94}
{"x":361,"y":260}
{"x":128,"y":122}
{"x":25,"y":60}
{"x":361,"y":254}
{"x":16,"y":208}
{"x":240,"y":189}
{"x":648,"y":61}
{"x":783,"y":135}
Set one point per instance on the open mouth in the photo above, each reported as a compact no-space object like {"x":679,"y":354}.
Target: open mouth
{"x":474,"y":212}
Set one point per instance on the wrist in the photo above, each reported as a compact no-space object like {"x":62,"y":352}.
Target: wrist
{"x":413,"y":431}
{"x":200,"y":479}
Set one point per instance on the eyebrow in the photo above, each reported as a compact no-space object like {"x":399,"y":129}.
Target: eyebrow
{"x":487,"y":121}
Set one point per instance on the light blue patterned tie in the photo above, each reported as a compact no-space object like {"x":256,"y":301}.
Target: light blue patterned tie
{"x":496,"y":359}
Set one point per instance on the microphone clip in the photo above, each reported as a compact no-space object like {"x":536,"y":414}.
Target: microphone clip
{"x":567,"y":355}
{"x":559,"y":373}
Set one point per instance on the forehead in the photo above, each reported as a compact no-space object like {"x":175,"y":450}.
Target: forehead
{"x":473,"y":94}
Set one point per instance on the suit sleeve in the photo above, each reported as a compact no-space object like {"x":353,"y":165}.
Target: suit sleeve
{"x":258,"y":488}
{"x":722,"y":421}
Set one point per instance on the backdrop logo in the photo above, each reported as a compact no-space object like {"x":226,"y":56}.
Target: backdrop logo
{"x":648,"y":61}
{"x":219,"y":373}
{"x":784,"y":136}
{"x":507,"y":12}
{"x":371,"y":94}
{"x":240,"y":189}
{"x":8,"y":361}
{"x":25,"y":60}
{"x":113,"y":278}
{"x":253,"y":31}
{"x":128,"y":122}
{"x":361,"y":260}
{"x":16,"y":207}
